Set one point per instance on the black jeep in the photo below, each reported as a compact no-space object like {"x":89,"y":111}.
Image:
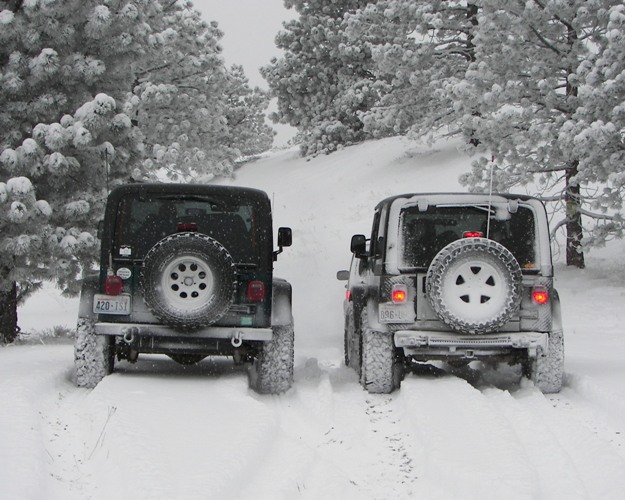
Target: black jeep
{"x":456,"y":278}
{"x":187,"y":271}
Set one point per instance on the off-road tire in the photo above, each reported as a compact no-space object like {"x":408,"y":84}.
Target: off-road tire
{"x":188,"y":280}
{"x":381,"y":366}
{"x":272,"y":370}
{"x":352,"y":343}
{"x":547,"y":369}
{"x":474,"y":285}
{"x":94,"y":355}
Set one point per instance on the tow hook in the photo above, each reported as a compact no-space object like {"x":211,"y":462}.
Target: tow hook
{"x":129,"y":335}
{"x":236,"y":339}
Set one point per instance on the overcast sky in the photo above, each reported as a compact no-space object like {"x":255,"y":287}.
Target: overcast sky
{"x":249,"y":28}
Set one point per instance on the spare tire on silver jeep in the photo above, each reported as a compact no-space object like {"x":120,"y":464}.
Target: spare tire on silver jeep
{"x":188,"y":280}
{"x":474,"y":285}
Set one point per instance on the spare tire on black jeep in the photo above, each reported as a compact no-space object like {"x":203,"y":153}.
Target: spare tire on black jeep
{"x":188,"y":280}
{"x":474,"y":285}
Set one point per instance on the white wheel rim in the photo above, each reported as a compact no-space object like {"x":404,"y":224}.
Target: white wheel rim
{"x":187,"y":283}
{"x":475,"y":290}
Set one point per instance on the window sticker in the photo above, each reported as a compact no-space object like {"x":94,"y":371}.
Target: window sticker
{"x":124,"y":273}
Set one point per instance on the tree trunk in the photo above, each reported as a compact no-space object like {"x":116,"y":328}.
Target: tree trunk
{"x":8,"y":314}
{"x":472,"y":12}
{"x":574,"y":231}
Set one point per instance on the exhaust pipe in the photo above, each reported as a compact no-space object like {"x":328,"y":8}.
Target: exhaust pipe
{"x":236,"y":339}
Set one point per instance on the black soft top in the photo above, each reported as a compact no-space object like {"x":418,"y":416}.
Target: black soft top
{"x":146,"y":189}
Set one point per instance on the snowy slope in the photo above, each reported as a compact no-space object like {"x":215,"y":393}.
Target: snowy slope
{"x":159,"y":430}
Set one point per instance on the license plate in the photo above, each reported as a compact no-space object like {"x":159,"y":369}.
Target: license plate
{"x":111,"y":304}
{"x":390,"y":313}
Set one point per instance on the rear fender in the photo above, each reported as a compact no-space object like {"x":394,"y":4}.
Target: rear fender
{"x":90,"y":286}
{"x":556,"y":313}
{"x":281,"y":309}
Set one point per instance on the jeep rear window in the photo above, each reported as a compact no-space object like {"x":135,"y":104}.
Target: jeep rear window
{"x":424,"y":234}
{"x":235,"y":223}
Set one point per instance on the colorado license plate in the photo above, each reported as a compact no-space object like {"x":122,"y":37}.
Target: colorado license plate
{"x":390,"y":313}
{"x":111,"y":304}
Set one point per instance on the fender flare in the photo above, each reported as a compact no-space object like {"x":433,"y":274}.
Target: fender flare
{"x":556,"y":313}
{"x":281,"y":303}
{"x":90,"y":286}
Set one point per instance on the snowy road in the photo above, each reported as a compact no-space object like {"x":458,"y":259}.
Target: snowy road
{"x":158,"y":430}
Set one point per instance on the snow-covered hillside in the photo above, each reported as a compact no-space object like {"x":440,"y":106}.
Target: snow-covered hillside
{"x":158,"y":430}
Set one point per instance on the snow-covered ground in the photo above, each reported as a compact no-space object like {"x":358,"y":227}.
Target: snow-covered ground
{"x":157,"y":430}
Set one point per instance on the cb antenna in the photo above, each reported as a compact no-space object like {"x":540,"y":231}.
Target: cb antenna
{"x":490,"y":196}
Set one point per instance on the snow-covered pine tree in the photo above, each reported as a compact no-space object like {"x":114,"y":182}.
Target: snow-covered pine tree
{"x":179,"y":97}
{"x":25,"y":233}
{"x":524,"y":87}
{"x":245,"y":113}
{"x":323,"y":81}
{"x":61,"y":132}
{"x":66,"y":70}
{"x":597,"y":131}
{"x":421,"y":49}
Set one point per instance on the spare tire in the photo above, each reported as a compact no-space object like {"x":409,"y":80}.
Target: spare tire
{"x":474,"y":285}
{"x":188,"y":280}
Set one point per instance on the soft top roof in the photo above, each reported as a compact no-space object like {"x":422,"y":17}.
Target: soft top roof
{"x":455,"y":197}
{"x":142,"y":189}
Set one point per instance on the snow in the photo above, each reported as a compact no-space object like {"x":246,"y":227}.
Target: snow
{"x":19,"y":186}
{"x":159,"y":430}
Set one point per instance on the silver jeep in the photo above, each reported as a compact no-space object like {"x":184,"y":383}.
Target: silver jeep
{"x":453,"y":277}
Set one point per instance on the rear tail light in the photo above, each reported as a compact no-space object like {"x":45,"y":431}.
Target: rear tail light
{"x":473,"y":234}
{"x":113,"y":285}
{"x":348,"y":295}
{"x":256,"y":291}
{"x":186,"y":226}
{"x":399,"y":293}
{"x":540,"y":295}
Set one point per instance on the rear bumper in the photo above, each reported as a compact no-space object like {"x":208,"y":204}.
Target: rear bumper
{"x":416,"y":342}
{"x":134,"y":330}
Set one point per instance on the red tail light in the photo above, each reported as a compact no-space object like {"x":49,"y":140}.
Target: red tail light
{"x":113,"y":285}
{"x":256,"y":291}
{"x":348,"y":295}
{"x":399,"y":294}
{"x":186,"y":226}
{"x":540,"y":295}
{"x":473,"y":234}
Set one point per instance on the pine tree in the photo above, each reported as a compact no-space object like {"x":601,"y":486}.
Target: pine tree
{"x":24,"y":228}
{"x":421,"y":49}
{"x":247,"y":131}
{"x":93,"y":94}
{"x":323,"y":82}
{"x":524,"y":86}
{"x":596,"y":133}
{"x":63,"y":64}
{"x":178,"y":99}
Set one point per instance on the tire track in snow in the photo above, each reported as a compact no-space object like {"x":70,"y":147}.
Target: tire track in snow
{"x":573,"y":459}
{"x":203,"y":434}
{"x":357,"y":439}
{"x":387,"y":425}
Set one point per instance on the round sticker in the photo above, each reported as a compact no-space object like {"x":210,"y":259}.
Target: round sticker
{"x":124,"y":273}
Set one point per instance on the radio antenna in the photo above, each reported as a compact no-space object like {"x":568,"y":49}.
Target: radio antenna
{"x":490,"y":196}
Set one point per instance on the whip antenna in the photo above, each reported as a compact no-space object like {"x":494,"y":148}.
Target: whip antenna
{"x":490,"y":197}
